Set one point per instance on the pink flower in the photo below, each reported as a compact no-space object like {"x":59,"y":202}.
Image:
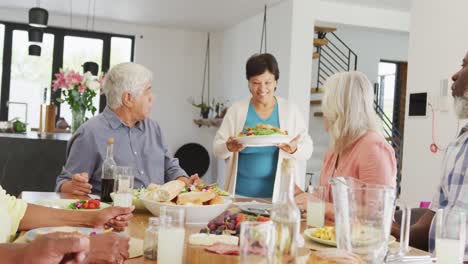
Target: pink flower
{"x":59,"y":82}
{"x":81,"y":88}
{"x":73,"y":78}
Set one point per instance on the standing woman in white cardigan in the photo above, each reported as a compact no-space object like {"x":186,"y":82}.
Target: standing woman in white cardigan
{"x":255,"y":171}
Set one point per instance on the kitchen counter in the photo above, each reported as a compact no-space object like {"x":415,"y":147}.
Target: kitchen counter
{"x":34,"y":135}
{"x":30,"y":163}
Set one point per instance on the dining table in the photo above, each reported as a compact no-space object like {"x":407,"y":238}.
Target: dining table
{"x":192,"y":253}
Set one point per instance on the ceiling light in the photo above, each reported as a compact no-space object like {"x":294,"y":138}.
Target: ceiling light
{"x":92,"y":67}
{"x":35,"y":35}
{"x":34,"y":50}
{"x":38,"y":17}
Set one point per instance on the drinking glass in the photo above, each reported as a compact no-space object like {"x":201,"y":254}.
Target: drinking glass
{"x":315,"y":206}
{"x":171,"y":235}
{"x":257,"y":242}
{"x":123,"y":187}
{"x":450,"y":235}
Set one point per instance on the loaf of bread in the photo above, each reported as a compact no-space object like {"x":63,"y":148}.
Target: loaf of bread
{"x":197,"y":198}
{"x":334,"y":256}
{"x":170,"y":190}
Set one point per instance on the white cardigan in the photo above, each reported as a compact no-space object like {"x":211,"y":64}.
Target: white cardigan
{"x":290,"y":119}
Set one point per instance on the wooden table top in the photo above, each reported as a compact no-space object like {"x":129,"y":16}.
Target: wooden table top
{"x":193,"y":254}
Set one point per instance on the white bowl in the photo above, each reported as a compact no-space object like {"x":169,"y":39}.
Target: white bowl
{"x":194,"y":214}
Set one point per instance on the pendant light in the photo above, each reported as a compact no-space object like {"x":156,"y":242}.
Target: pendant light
{"x":35,"y":35}
{"x":34,"y":50}
{"x":38,"y":17}
{"x":264,"y":32}
{"x":91,"y":66}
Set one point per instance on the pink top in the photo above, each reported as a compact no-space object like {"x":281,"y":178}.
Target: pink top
{"x":370,"y":159}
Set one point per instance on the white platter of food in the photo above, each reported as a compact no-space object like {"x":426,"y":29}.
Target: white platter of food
{"x":72,"y":204}
{"x":201,"y":202}
{"x":262,"y":135}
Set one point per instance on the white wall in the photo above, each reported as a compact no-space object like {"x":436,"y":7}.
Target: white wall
{"x":176,"y":58}
{"x":351,"y":14}
{"x":371,"y":45}
{"x":431,"y":59}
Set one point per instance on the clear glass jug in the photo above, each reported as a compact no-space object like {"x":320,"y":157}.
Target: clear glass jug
{"x":363,"y":217}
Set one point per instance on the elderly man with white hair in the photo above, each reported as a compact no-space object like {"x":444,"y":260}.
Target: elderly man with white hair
{"x":138,"y":140}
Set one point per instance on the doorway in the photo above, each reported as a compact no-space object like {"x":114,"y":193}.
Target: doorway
{"x":391,"y":94}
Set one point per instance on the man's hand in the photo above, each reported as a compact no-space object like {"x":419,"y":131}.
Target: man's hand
{"x":78,"y":185}
{"x":189,"y":181}
{"x":233,"y":145}
{"x":55,"y":248}
{"x":107,"y":248}
{"x":115,"y":217}
{"x":290,"y":147}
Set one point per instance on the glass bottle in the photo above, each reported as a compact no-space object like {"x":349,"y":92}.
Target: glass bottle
{"x":286,"y":217}
{"x":107,"y":176}
{"x":150,"y":243}
{"x":42,"y":133}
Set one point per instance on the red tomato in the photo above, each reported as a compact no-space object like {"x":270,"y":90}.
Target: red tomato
{"x":92,"y":206}
{"x":263,"y":219}
{"x":96,"y":203}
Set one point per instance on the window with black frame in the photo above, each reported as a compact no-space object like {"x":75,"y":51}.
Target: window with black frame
{"x":2,"y":37}
{"x":23,"y":77}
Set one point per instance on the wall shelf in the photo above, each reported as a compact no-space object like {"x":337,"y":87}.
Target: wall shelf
{"x":209,"y":122}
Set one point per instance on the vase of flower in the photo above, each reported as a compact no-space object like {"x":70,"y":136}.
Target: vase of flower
{"x":78,"y":118}
{"x":78,"y":91}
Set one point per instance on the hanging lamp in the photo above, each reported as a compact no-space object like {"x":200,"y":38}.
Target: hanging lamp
{"x":35,"y":35}
{"x":34,"y":50}
{"x":91,"y":66}
{"x":263,"y":39}
{"x":38,"y":17}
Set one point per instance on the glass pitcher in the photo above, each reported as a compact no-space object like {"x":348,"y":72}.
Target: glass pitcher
{"x":363,"y":217}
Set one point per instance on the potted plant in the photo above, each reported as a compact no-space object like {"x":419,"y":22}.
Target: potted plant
{"x":204,"y":108}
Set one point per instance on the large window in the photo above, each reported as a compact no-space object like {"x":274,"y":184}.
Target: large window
{"x":29,"y":76}
{"x":25,"y":77}
{"x":387,"y":74}
{"x":2,"y":39}
{"x":121,"y":50}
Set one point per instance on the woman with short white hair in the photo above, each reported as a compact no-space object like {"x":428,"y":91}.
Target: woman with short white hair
{"x":357,"y":147}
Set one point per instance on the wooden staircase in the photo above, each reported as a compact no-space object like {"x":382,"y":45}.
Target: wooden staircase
{"x":318,"y":42}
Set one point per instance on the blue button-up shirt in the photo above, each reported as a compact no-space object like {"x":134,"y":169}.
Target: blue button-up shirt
{"x":141,"y":147}
{"x":453,"y":190}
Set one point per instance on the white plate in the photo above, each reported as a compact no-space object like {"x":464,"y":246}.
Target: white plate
{"x":31,"y":234}
{"x":308,"y":233}
{"x":263,"y":141}
{"x":63,"y":203}
{"x":256,"y":208}
{"x":194,"y":214}
{"x":135,"y":245}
